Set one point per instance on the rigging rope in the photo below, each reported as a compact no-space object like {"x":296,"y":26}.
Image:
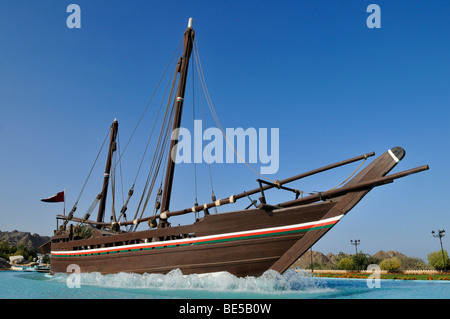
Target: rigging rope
{"x":157,"y":166}
{"x":160,"y":148}
{"x":350,"y":176}
{"x":131,"y":191}
{"x":193,"y":122}
{"x":92,"y":168}
{"x":92,"y":206}
{"x":213,"y":112}
{"x":74,"y":208}
{"x":151,"y":98}
{"x":160,"y":152}
{"x":120,"y":167}
{"x":216,"y":119}
{"x":213,"y":196}
{"x":113,"y":188}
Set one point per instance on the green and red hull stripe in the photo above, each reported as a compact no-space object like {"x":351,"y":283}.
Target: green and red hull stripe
{"x":258,"y":233}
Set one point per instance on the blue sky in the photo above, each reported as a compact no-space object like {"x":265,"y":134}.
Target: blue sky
{"x":334,"y":88}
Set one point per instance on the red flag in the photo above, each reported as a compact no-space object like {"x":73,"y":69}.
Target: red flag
{"x":55,"y":198}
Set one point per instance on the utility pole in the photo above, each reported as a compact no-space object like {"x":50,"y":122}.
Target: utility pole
{"x":355,"y":243}
{"x":440,"y":234}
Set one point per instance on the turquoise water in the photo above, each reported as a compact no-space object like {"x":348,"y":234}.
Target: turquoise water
{"x":271,"y":285}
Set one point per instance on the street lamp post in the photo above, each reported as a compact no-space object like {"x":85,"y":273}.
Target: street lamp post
{"x":440,"y":234}
{"x":356,"y":242}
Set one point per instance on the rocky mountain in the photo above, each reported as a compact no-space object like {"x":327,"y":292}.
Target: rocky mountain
{"x":317,"y":258}
{"x":389,"y":254}
{"x":330,"y":260}
{"x":16,"y":237}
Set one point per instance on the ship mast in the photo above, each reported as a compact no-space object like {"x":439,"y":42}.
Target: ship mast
{"x":189,"y":35}
{"x":112,"y":149}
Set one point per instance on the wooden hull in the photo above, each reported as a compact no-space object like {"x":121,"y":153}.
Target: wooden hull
{"x":256,"y":242}
{"x":241,"y":258}
{"x":243,"y":243}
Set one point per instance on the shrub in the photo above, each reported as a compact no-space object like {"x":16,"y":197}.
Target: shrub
{"x":435,"y":260}
{"x":6,"y":250}
{"x":83,"y":231}
{"x":413,"y":263}
{"x":361,"y":261}
{"x":390,"y":264}
{"x":346,"y":263}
